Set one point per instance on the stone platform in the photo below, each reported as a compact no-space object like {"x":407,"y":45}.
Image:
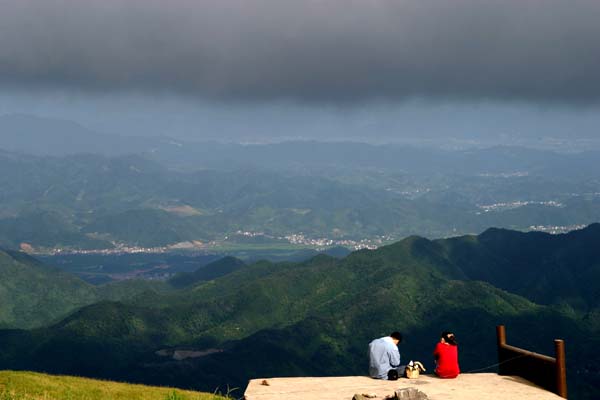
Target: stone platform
{"x":464,"y":387}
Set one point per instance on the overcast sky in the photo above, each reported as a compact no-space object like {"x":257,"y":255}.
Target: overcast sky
{"x":375,"y":70}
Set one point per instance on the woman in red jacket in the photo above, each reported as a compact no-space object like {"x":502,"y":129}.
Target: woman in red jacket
{"x":446,"y":356}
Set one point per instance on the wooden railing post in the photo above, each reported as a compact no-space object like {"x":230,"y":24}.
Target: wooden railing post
{"x":547,"y":372}
{"x":501,"y":341}
{"x":561,"y":368}
{"x":501,"y":334}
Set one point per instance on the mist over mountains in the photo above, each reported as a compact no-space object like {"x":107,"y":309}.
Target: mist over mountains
{"x":44,"y":136}
{"x":171,"y":209}
{"x":56,"y":194}
{"x":34,"y":135}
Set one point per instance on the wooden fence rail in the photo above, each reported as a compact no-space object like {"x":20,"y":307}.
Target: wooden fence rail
{"x":547,"y":372}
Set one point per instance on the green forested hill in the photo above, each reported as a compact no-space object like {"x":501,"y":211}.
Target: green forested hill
{"x":316,"y":317}
{"x":33,"y":294}
{"x":321,"y":304}
{"x":547,"y":269}
{"x":222,"y":267}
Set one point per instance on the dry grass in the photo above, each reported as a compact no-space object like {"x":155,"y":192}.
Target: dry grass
{"x":35,"y":386}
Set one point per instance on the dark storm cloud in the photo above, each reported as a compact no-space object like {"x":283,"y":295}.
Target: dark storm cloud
{"x":334,"y":50}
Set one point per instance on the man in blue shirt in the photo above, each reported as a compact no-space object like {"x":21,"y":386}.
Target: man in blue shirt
{"x":385,"y":357}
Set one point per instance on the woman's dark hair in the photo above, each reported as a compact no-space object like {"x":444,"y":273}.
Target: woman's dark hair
{"x":449,"y":338}
{"x":397,"y":336}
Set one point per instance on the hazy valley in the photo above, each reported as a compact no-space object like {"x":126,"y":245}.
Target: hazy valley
{"x":165,"y":196}
{"x":168,"y":264}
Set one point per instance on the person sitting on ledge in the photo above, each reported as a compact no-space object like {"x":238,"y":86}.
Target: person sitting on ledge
{"x":384,"y":357}
{"x":446,"y":356}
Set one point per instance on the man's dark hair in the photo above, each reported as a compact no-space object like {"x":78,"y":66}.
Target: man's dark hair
{"x":397,"y":336}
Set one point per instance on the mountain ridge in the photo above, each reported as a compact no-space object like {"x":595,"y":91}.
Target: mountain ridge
{"x":312,"y":317}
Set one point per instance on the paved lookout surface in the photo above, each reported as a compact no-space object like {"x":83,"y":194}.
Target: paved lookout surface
{"x":465,"y":387}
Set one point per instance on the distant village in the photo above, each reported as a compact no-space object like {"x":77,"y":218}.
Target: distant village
{"x":300,"y":240}
{"x":297,"y":239}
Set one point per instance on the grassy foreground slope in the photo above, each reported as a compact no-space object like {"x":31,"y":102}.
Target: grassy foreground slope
{"x":20,"y":385}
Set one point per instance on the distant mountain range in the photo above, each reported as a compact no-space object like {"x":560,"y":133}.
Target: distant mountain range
{"x":97,"y":202}
{"x":34,"y":135}
{"x":238,"y":321}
